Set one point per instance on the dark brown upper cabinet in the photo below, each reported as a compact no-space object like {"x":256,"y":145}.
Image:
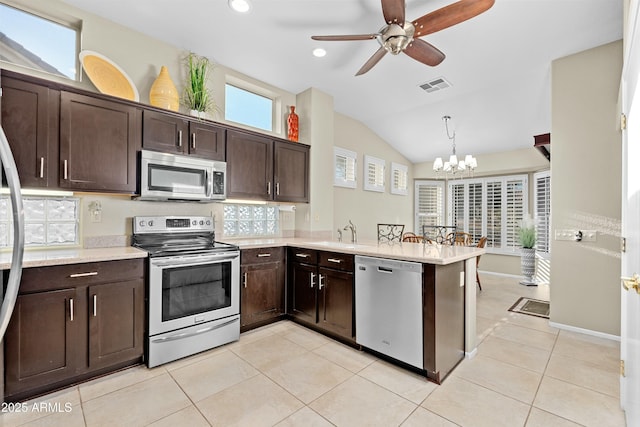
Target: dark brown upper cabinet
{"x":99,"y":140}
{"x":174,"y":134}
{"x":261,"y":168}
{"x":30,"y":116}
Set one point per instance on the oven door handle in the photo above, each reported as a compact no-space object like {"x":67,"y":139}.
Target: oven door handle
{"x":192,"y":334}
{"x":182,"y":261}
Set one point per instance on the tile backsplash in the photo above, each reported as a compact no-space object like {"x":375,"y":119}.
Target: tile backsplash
{"x":47,"y":221}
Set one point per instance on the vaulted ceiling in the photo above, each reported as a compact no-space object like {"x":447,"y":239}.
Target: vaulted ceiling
{"x":498,"y":63}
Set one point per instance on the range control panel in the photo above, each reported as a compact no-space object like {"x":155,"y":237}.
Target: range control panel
{"x":172,"y":224}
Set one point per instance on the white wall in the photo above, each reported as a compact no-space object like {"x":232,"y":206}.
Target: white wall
{"x":586,"y":188}
{"x":367,"y":208}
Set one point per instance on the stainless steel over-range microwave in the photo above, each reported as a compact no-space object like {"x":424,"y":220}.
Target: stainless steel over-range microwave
{"x":166,"y":176}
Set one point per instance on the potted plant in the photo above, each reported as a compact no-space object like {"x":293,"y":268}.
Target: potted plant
{"x":527,"y":239}
{"x":197,"y":96}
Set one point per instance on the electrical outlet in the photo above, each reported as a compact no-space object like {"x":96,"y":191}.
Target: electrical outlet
{"x":96,"y":216}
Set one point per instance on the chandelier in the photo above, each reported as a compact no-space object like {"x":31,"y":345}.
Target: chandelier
{"x":453,"y":166}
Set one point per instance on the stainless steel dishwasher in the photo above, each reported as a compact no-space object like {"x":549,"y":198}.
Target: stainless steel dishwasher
{"x":389,"y":308}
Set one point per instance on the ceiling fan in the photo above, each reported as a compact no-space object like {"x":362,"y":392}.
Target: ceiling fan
{"x":402,"y":36}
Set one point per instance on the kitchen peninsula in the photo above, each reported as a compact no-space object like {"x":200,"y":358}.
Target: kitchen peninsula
{"x":448,"y":290}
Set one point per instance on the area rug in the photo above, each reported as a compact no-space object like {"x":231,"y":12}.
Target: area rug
{"x":532,"y":307}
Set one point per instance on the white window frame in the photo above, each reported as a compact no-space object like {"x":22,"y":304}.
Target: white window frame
{"x":351,"y":162}
{"x":437,"y":213}
{"x":508,"y":233}
{"x":399,"y":179}
{"x":276,"y":103}
{"x":62,"y":20}
{"x":379,"y":166}
{"x":542,"y":212}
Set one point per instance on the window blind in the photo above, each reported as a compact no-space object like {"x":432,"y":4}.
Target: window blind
{"x":429,"y":202}
{"x":374,"y":174}
{"x":491,"y":207}
{"x":494,"y":214}
{"x":344,"y":163}
{"x":542,"y":212}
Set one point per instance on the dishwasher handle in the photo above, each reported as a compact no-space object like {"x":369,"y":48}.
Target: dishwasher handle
{"x":385,"y":270}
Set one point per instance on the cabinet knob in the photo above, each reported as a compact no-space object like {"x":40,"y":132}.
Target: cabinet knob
{"x":179,"y":138}
{"x":320,"y":284}
{"x":313,"y":276}
{"x":66,"y":170}
{"x":244,"y":279}
{"x":193,"y":140}
{"x":71,"y":309}
{"x":95,"y":305}
{"x":263,"y":255}
{"x":41,"y":167}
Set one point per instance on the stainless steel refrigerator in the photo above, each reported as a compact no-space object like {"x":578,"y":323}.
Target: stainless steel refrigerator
{"x":10,"y":293}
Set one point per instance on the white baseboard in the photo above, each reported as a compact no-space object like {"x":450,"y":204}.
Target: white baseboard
{"x":471,"y":354}
{"x":585,"y":331}
{"x":494,"y":273}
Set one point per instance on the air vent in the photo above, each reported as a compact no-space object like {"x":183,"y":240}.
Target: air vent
{"x":435,"y":84}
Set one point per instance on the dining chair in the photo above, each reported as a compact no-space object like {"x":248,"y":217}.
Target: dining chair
{"x":460,"y":238}
{"x":390,"y":232}
{"x":481,"y":243}
{"x":439,"y":233}
{"x":412,"y":237}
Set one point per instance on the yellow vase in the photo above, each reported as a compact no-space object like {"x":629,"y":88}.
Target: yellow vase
{"x":163,"y":92}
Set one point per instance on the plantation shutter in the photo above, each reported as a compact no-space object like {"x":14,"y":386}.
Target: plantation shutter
{"x":399,"y":178}
{"x":515,"y":210}
{"x":457,"y":206}
{"x":429,"y":203}
{"x":374,"y":174}
{"x":542,"y":212}
{"x":494,"y":214}
{"x":344,"y":168}
{"x":474,"y":219}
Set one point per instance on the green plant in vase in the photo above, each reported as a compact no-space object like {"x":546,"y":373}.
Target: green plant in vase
{"x":527,"y":239}
{"x":197,"y":96}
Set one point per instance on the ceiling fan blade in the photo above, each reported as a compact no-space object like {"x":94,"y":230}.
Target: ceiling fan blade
{"x":348,"y":37}
{"x":393,"y":11}
{"x":450,"y":15}
{"x":424,"y":52}
{"x":375,"y":58}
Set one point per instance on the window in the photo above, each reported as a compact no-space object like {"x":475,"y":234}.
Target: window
{"x":248,"y":108}
{"x":22,"y":42}
{"x":373,"y":174}
{"x":399,"y":178}
{"x":47,"y":221}
{"x":491,"y":207}
{"x":542,"y":211}
{"x":250,"y":220}
{"x":344,"y":168}
{"x":429,"y":203}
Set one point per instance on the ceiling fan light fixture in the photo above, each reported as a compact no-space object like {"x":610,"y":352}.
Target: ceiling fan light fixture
{"x":240,"y":6}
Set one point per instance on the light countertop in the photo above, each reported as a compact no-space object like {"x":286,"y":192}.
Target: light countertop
{"x":48,"y":257}
{"x":417,"y":252}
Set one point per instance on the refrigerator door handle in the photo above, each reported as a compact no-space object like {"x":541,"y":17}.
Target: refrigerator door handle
{"x":15,"y":274}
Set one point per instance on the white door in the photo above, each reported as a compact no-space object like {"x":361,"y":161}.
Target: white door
{"x":630,"y":299}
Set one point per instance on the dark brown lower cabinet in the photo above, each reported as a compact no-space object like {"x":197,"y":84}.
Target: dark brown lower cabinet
{"x":262,"y":286}
{"x":115,"y":322}
{"x":321,"y":291}
{"x":72,"y":322}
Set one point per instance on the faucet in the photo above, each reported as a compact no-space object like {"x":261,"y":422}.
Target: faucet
{"x":354,"y":236}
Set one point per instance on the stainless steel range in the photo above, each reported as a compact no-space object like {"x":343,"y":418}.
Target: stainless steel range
{"x":193,"y":286}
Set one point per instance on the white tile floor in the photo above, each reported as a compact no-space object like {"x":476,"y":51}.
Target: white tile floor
{"x":525,"y":373}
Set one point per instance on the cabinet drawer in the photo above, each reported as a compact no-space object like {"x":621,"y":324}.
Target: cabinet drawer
{"x":261,"y":255}
{"x":306,"y":256}
{"x":336,"y":261}
{"x":38,"y":279}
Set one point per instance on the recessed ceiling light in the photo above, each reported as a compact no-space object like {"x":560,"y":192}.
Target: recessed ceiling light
{"x":319,"y":52}
{"x":241,"y":6}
